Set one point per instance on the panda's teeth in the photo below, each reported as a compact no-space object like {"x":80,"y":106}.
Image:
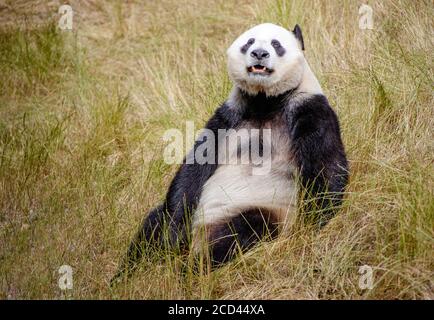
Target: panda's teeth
{"x":258,"y":68}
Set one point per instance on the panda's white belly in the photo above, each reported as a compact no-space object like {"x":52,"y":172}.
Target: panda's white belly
{"x":235,"y":188}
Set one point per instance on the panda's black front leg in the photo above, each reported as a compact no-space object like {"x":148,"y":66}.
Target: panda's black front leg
{"x":320,"y":157}
{"x":168,"y":225}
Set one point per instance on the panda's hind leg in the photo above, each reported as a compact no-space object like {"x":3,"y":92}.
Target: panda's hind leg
{"x":241,"y":233}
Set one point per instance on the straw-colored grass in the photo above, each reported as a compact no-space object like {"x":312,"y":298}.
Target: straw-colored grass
{"x":83,"y":112}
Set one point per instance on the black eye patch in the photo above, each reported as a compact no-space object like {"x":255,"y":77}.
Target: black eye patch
{"x":246,"y":47}
{"x":280,"y":51}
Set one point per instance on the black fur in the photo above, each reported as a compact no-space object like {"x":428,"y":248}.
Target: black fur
{"x":246,"y":47}
{"x":280,"y":51}
{"x":261,"y":107}
{"x":298,"y":35}
{"x":240,"y":234}
{"x":318,"y":153}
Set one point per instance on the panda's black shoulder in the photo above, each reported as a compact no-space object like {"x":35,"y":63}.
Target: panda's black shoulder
{"x":225,"y":117}
{"x":190,"y":178}
{"x":313,"y":115}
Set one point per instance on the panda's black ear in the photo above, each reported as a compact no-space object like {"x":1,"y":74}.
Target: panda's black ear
{"x":298,"y":35}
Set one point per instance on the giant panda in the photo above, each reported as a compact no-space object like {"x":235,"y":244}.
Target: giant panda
{"x":226,"y":207}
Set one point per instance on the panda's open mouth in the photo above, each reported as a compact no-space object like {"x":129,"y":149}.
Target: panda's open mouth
{"x":259,"y":69}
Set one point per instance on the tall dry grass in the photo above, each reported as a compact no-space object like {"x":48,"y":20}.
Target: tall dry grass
{"x":81,"y":122}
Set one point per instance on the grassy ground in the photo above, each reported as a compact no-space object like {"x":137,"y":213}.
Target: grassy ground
{"x":82,"y":115}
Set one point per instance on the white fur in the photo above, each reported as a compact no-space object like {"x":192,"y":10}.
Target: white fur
{"x":234,"y":188}
{"x":290,"y":71}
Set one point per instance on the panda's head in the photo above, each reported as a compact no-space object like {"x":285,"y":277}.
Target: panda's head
{"x":267,"y":58}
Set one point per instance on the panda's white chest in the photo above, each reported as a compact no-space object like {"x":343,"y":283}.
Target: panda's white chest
{"x":237,"y":186}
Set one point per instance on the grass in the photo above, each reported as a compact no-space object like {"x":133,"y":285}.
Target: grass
{"x":82,"y":115}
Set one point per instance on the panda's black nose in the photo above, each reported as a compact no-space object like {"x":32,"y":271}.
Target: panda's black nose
{"x":260,"y":54}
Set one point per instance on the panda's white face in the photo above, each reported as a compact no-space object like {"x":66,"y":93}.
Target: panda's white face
{"x":267,"y":58}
